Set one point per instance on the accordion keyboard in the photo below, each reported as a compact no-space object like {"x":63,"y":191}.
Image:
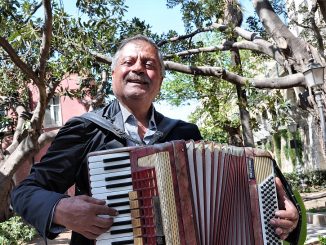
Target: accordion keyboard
{"x":110,"y":180}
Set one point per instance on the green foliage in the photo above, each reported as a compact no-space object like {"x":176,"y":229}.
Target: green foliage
{"x":196,"y":14}
{"x":314,"y":179}
{"x":15,"y":231}
{"x":322,"y":240}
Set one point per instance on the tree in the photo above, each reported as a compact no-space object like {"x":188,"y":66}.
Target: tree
{"x":42,"y":51}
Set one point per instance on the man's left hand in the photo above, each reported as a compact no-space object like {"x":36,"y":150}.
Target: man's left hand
{"x":287,"y":216}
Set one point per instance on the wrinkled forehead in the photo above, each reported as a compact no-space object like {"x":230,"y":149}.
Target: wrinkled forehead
{"x":139,"y":48}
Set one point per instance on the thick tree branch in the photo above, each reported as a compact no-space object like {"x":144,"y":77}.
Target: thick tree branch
{"x":261,"y":83}
{"x":255,"y":45}
{"x":46,"y":38}
{"x":18,"y":62}
{"x":24,"y":151}
{"x":316,"y":29}
{"x":293,"y":47}
{"x":18,"y":135}
{"x":101,"y":57}
{"x":215,"y":26}
{"x":47,"y":137}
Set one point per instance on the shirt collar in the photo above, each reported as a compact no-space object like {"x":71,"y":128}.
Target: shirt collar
{"x":127,"y":115}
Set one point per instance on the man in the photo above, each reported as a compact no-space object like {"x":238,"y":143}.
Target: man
{"x":137,"y":75}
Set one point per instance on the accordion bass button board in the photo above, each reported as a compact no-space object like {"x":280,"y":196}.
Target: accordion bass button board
{"x":186,"y":193}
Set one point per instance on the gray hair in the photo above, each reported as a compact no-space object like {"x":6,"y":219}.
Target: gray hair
{"x":133,"y":39}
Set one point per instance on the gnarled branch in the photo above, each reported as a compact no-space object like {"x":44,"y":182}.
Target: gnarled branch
{"x":46,"y":37}
{"x":261,"y":83}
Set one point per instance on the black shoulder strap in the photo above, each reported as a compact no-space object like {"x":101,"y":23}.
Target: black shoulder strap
{"x":99,"y":120}
{"x":165,"y":126}
{"x":106,"y":124}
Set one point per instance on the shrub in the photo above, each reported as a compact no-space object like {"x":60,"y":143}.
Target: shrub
{"x":15,"y":231}
{"x":315,"y":179}
{"x":322,"y":240}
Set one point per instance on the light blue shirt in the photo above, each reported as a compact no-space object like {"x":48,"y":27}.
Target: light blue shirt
{"x":131,"y":126}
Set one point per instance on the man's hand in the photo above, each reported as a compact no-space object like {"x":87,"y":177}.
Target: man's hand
{"x":287,"y":217}
{"x":81,"y":214}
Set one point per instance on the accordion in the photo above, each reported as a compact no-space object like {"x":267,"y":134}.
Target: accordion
{"x":186,"y":193}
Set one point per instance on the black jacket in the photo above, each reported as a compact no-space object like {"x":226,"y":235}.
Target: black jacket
{"x":65,"y":164}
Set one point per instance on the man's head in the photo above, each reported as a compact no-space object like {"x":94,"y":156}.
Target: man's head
{"x":137,"y":71}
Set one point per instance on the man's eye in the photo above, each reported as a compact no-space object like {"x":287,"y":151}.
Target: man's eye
{"x":127,"y":62}
{"x":149,"y":65}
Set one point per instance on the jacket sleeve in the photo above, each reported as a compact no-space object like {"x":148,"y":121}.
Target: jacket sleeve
{"x":36,"y":196}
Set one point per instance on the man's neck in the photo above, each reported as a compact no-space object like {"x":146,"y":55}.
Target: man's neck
{"x":141,"y":113}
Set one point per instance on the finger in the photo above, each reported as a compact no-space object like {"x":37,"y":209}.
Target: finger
{"x":290,"y":211}
{"x":282,"y":223}
{"x":92,"y":200}
{"x":282,"y":235}
{"x":104,"y":223}
{"x":97,"y":230}
{"x":104,"y":209}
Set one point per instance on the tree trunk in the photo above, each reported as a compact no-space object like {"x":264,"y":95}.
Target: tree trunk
{"x":234,"y":17}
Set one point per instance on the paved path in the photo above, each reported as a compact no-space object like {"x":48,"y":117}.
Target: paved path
{"x":313,"y":232}
{"x":64,"y":238}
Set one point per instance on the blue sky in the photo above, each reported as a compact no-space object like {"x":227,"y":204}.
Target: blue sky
{"x":161,"y":19}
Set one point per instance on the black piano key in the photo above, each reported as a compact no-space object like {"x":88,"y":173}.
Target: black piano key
{"x":118,"y":177}
{"x":116,"y":159}
{"x":118,"y":204}
{"x":117,"y":196}
{"x":125,"y":242}
{"x":118,"y":185}
{"x":117,"y":166}
{"x":121,"y":231}
{"x":124,"y":211}
{"x":125,"y":222}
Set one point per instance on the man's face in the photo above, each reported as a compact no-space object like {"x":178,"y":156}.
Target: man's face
{"x":137,"y":73}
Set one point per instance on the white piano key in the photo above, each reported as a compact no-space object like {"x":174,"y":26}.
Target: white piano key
{"x":100,"y":158}
{"x":99,"y":190}
{"x":95,"y":171}
{"x":108,"y":235}
{"x":113,"y":240}
{"x":109,"y":194}
{"x":104,"y":183}
{"x":93,"y":165}
{"x":107,"y":175}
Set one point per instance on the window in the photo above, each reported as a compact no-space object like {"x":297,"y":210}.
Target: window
{"x":52,"y":116}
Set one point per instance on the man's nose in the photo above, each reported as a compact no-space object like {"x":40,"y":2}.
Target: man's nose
{"x":138,"y":67}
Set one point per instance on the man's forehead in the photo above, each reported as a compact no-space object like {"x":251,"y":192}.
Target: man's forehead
{"x":139,"y":46}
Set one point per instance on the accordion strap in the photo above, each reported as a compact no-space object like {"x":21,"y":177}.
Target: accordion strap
{"x":164,"y":127}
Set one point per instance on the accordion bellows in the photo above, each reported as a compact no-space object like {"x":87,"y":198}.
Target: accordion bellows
{"x":186,"y":193}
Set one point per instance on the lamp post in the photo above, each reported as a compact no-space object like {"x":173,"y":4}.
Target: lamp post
{"x":314,"y":76}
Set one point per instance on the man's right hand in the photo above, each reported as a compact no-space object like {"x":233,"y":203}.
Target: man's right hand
{"x":81,"y":214}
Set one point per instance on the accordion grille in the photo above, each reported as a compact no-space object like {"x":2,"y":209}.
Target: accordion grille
{"x":161,"y":162}
{"x":263,"y":168}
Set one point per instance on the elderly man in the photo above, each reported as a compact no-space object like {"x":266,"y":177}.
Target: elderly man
{"x":137,"y":74}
